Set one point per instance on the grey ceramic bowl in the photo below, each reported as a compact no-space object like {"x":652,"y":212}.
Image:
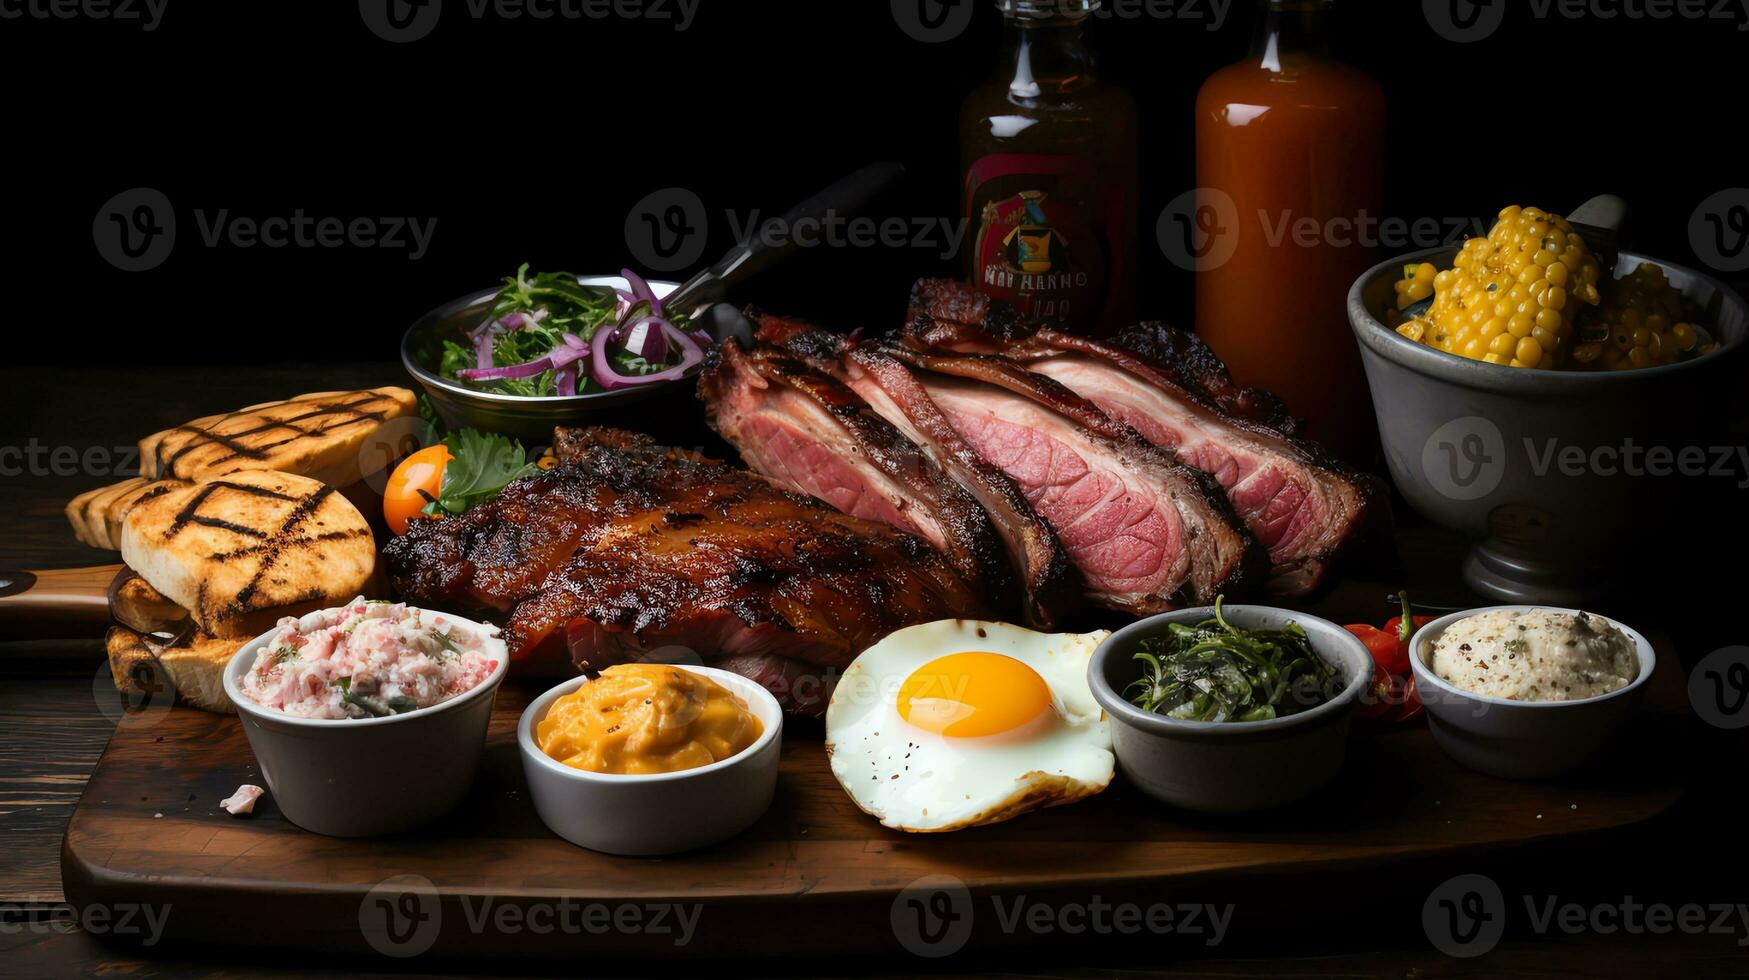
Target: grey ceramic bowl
{"x":1521,"y":739}
{"x":1468,"y":442}
{"x":365,"y":777}
{"x":1229,"y":767}
{"x":531,"y":420}
{"x":662,"y":813}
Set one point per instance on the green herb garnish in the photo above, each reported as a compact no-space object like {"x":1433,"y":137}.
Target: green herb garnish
{"x":283,"y":654}
{"x":374,"y":707}
{"x":450,"y":646}
{"x":481,"y":466}
{"x":1214,"y":671}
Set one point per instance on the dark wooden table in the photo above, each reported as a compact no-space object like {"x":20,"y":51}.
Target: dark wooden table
{"x":61,"y":434}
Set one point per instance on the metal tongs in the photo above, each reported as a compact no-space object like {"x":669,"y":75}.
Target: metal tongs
{"x":703,"y":294}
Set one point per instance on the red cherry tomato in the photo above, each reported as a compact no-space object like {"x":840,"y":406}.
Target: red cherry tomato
{"x":1375,"y":700}
{"x":1386,"y":651}
{"x":418,"y":475}
{"x":1412,"y":707}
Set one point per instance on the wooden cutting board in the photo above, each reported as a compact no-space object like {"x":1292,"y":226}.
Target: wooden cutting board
{"x":815,"y":877}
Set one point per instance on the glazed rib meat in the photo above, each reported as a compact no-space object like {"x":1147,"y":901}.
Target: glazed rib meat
{"x":627,"y":550}
{"x":1302,"y":504}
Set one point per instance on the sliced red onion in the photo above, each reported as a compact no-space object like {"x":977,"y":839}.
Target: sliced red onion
{"x":641,"y":290}
{"x":556,"y":359}
{"x":565,"y":381}
{"x":529,"y":370}
{"x":645,"y":338}
{"x":601,"y":365}
{"x":486,"y":334}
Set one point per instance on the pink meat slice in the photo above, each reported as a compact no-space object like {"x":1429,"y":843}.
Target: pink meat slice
{"x":1116,"y":528}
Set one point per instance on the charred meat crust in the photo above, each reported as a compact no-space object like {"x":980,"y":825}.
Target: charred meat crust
{"x":949,"y":315}
{"x":626,"y":547}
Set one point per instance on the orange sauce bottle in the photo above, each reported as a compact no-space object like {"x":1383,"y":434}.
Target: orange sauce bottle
{"x":1294,"y":140}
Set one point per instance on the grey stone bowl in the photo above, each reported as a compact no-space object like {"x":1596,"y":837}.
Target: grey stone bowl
{"x":1521,"y":739}
{"x":1519,"y":459}
{"x":1229,"y":767}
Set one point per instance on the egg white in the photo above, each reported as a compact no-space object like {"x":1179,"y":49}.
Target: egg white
{"x":914,"y":780}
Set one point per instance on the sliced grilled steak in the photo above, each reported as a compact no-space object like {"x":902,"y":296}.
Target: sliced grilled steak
{"x":1147,"y":532}
{"x":628,"y":550}
{"x":1301,"y":503}
{"x":1051,"y":585}
{"x":813,"y":435}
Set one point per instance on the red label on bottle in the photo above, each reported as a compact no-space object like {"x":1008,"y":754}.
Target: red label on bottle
{"x":1045,"y":239}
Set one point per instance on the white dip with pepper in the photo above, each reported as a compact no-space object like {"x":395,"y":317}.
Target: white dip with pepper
{"x":1539,"y":655}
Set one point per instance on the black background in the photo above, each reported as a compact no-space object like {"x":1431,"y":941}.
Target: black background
{"x":529,"y":140}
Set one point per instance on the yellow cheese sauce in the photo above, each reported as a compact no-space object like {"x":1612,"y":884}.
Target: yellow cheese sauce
{"x":637,"y":719}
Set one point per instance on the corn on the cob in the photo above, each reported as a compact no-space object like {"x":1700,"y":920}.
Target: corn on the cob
{"x":1640,"y":324}
{"x":1511,"y":298}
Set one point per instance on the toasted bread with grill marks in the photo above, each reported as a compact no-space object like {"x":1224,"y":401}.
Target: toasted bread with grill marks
{"x":242,"y":550}
{"x":193,"y":670}
{"x":96,"y":515}
{"x":318,"y":435}
{"x":135,"y":604}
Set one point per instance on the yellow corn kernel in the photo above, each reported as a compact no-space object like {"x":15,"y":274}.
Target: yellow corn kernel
{"x":1529,"y":280}
{"x":1641,"y":320}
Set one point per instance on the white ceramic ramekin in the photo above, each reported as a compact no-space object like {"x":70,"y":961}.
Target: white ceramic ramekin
{"x":662,"y":813}
{"x":363,"y":777}
{"x":1520,"y":739}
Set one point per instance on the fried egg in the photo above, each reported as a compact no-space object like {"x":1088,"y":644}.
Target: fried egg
{"x":961,"y":723}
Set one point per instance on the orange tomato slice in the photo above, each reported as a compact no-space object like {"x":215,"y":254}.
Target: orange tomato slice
{"x":420,"y":472}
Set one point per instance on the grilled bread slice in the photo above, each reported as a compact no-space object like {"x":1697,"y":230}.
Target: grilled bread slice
{"x":79,"y":511}
{"x":193,"y":670}
{"x":242,"y":550}
{"x":135,"y":604}
{"x":319,"y":435}
{"x":96,"y":515}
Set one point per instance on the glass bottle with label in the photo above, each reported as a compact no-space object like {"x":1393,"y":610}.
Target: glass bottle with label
{"x":1290,"y":151}
{"x":1049,"y":154}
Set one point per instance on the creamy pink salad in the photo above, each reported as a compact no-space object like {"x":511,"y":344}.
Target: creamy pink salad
{"x":369,"y":659}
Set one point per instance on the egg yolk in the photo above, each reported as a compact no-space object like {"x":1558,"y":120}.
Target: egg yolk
{"x":647,"y":718}
{"x":971,"y":695}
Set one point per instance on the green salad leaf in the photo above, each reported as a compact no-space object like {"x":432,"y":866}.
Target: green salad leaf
{"x":482,"y":465}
